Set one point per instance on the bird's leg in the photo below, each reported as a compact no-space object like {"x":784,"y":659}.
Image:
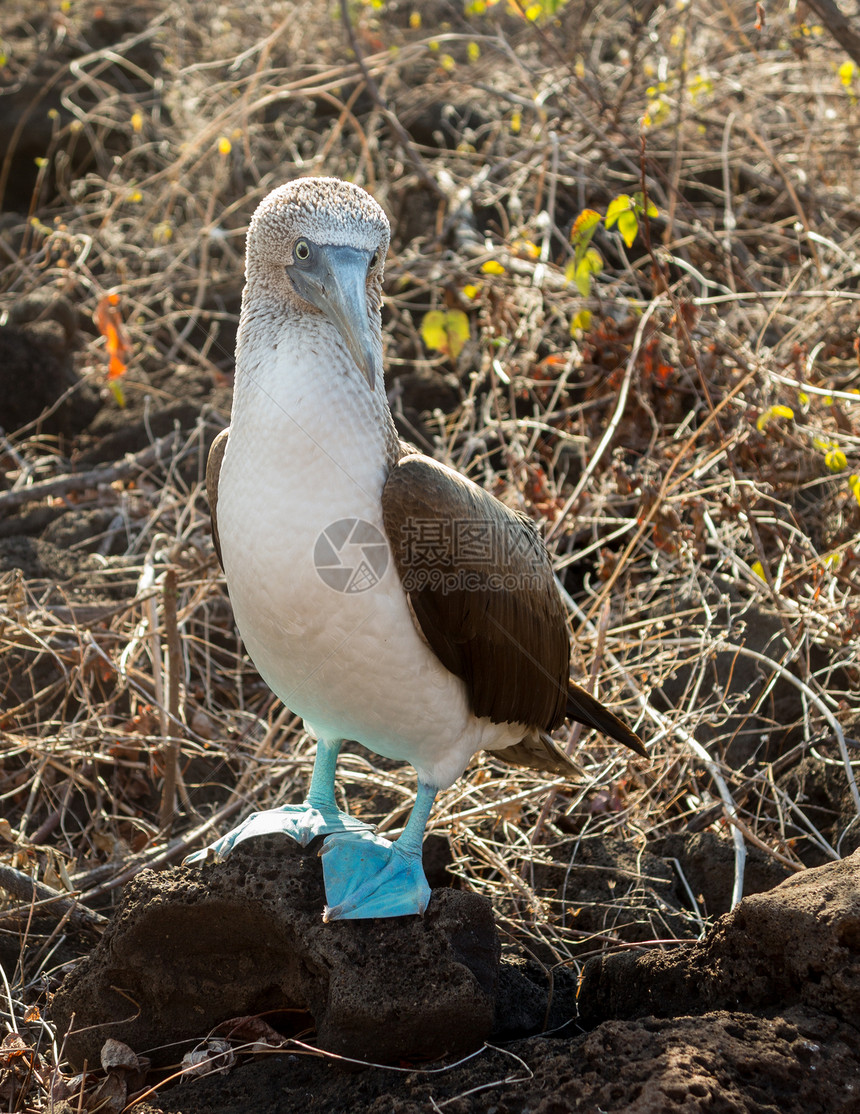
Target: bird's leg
{"x":317,"y":815}
{"x":367,"y":876}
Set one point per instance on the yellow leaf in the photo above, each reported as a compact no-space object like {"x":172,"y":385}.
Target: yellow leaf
{"x":526,"y":247}
{"x":445,"y":330}
{"x":628,"y":226}
{"x":163,"y":232}
{"x":516,"y":122}
{"x":471,"y":291}
{"x":581,"y":323}
{"x":584,"y":225}
{"x":854,"y":484}
{"x":836,"y":460}
{"x":620,"y":204}
{"x":224,"y":145}
{"x":492,"y":267}
{"x":414,"y":20}
{"x":846,"y":73}
{"x":473,"y":51}
{"x":447,"y":62}
{"x":758,"y":569}
{"x":136,"y":121}
{"x":778,"y":411}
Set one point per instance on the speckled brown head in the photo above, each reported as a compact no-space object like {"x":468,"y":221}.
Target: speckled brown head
{"x":322,"y":210}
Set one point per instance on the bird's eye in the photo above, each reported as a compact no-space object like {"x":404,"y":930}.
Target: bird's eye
{"x":374,"y":259}
{"x":302,"y":251}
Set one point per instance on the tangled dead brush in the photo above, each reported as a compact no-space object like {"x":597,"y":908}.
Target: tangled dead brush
{"x":684,"y":423}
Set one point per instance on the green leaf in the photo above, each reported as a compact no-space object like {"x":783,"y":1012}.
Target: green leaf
{"x":590,"y":264}
{"x":117,"y":392}
{"x":639,"y":205}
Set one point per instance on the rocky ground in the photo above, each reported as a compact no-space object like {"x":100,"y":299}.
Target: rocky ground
{"x":580,"y":951}
{"x":759,"y":1015}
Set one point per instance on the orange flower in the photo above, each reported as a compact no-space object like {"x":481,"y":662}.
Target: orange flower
{"x":109,"y":323}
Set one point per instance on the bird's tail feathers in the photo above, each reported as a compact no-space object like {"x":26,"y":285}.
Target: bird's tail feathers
{"x":587,"y":710}
{"x":538,"y":751}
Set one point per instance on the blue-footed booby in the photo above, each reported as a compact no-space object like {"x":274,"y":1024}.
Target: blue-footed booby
{"x":381,"y":595}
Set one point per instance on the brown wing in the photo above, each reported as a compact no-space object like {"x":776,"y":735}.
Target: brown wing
{"x":213,"y":472}
{"x":480,"y":585}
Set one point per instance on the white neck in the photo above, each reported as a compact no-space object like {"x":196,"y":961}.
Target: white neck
{"x":303,"y":412}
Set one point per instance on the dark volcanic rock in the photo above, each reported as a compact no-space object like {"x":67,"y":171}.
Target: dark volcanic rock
{"x":38,"y":380}
{"x":797,"y":944}
{"x":194,"y":946}
{"x":721,"y":1063}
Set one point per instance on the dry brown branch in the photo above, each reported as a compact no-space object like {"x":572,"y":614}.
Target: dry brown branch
{"x":172,"y":743}
{"x":60,"y":486}
{"x":48,"y":902}
{"x":839,"y":26}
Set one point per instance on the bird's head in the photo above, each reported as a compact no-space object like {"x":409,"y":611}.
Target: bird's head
{"x":322,"y":243}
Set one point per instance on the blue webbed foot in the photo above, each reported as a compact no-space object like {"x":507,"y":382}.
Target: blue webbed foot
{"x":300,"y":822}
{"x":367,"y":876}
